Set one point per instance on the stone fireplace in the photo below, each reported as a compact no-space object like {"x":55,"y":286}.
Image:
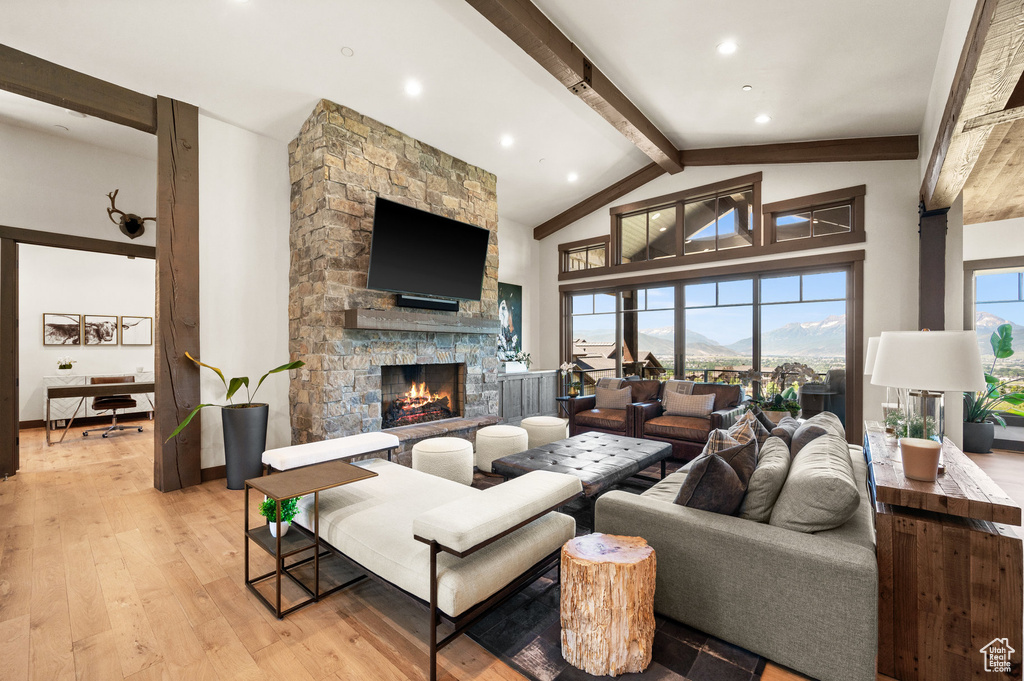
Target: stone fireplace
{"x":339,"y":163}
{"x":420,"y":393}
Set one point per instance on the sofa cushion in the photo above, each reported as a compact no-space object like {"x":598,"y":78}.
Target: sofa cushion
{"x":371,"y":522}
{"x":711,"y":485}
{"x":645,"y":390}
{"x":787,"y":426}
{"x":677,"y":404}
{"x":676,"y":386}
{"x":725,"y":395}
{"x":829,"y":422}
{"x":749,"y":423}
{"x":804,"y":435}
{"x":766,"y":481}
{"x":688,"y":428}
{"x":821,"y":491}
{"x":611,"y":398}
{"x":607,"y":419}
{"x":667,"y":489}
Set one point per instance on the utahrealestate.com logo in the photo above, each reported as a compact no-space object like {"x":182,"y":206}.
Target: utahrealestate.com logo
{"x":997,"y":655}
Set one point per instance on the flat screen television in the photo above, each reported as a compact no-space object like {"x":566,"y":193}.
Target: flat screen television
{"x":419,"y":253}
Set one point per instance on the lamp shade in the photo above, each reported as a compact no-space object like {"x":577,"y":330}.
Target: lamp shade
{"x":869,"y":361}
{"x":929,"y":360}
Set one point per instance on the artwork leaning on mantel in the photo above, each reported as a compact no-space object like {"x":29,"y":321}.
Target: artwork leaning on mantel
{"x":510,"y":333}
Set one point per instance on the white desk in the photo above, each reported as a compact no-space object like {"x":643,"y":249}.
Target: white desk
{"x":60,"y":404}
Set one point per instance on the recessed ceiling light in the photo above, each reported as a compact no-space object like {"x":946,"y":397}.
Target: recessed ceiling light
{"x":763,"y":118}
{"x":663,"y":229}
{"x":728,"y":47}
{"x":347,"y":51}
{"x":413,"y":87}
{"x":76,"y":114}
{"x":656,"y":216}
{"x":572,"y":177}
{"x":747,"y":88}
{"x":507,"y":141}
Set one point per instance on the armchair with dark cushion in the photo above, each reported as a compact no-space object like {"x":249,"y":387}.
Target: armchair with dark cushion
{"x":688,"y":434}
{"x":584,"y":416}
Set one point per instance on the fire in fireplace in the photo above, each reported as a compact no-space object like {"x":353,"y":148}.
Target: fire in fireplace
{"x":416,"y":393}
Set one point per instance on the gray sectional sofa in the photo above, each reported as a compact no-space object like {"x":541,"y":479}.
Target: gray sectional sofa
{"x":804,"y":600}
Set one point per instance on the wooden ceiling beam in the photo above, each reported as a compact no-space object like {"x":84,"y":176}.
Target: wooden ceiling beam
{"x":30,"y":76}
{"x":990,"y":66}
{"x":995,"y":118}
{"x":601,"y":198}
{"x":531,"y":30}
{"x":893,"y":148}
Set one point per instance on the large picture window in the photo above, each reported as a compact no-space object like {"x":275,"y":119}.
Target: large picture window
{"x":649,"y":235}
{"x":719,"y":222}
{"x":999,"y":300}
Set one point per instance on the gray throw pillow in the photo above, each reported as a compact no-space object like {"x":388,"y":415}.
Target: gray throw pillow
{"x":787,"y":426}
{"x":711,"y":485}
{"x":678,"y":404}
{"x":821,"y":490}
{"x":766,"y":481}
{"x":610,"y":398}
{"x":829,"y":422}
{"x":805,"y":434}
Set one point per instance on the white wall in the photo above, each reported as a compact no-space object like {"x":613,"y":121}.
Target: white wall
{"x":958,"y":22}
{"x":244,"y":195}
{"x":54,"y":184}
{"x":891,"y":249}
{"x":518,"y":258}
{"x":1000,"y":239}
{"x":57,"y":280}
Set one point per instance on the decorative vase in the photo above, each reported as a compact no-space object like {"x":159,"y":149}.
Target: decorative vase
{"x":775,"y":416}
{"x":64,"y":372}
{"x":284,"y":528}
{"x":513,"y":367}
{"x":978,"y":437}
{"x":245,"y":439}
{"x":920,"y":458}
{"x":573,"y":391}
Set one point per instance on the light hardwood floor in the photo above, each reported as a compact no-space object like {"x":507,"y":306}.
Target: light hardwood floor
{"x":102,"y":577}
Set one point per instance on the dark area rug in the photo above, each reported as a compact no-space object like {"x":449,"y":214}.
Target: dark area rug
{"x":525,"y":633}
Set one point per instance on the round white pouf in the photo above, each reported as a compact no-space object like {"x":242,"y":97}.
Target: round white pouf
{"x":545,"y":429}
{"x":494,"y":442}
{"x":445,"y":457}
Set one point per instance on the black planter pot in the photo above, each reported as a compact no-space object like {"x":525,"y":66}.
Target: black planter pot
{"x":978,"y":437}
{"x":245,"y":438}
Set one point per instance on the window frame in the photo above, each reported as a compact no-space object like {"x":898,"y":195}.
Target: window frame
{"x":584,"y":244}
{"x":848,"y":196}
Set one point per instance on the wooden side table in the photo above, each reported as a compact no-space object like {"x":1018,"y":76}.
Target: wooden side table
{"x":949,"y":567}
{"x":607,"y":603}
{"x":295,"y":483}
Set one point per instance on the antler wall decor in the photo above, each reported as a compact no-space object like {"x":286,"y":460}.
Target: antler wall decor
{"x":130,"y":224}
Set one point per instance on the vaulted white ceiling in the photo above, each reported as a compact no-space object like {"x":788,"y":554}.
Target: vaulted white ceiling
{"x":820,"y":69}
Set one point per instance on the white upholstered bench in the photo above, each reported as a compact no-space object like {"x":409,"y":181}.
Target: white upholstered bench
{"x":297,"y":456}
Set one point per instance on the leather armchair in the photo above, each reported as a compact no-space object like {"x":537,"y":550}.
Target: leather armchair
{"x":584,"y":416}
{"x":688,"y":434}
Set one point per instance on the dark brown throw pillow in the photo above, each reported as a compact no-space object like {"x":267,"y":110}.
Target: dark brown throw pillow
{"x":742,"y":458}
{"x":768,"y":424}
{"x":786,"y":428}
{"x":645,"y":390}
{"x":804,"y":435}
{"x":712,"y":485}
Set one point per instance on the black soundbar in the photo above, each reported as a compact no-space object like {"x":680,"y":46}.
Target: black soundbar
{"x":428,"y":303}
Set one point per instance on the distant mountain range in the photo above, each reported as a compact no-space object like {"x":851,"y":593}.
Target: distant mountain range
{"x":985,"y":323}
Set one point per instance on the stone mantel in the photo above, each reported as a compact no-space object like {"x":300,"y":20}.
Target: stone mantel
{"x":339,"y":163}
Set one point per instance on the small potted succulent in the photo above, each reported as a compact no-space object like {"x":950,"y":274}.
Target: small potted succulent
{"x":289,"y":509}
{"x":64,"y":365}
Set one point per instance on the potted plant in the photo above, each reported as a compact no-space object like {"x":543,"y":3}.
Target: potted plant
{"x":518,"y":363}
{"x":566,"y":369}
{"x":289,"y":509}
{"x":782,"y":395}
{"x":245,"y":425}
{"x":64,"y":365}
{"x":983,"y":409}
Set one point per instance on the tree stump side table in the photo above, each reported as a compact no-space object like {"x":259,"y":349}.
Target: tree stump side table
{"x":608,"y":603}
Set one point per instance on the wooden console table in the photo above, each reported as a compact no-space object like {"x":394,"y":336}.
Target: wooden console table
{"x":949,"y":567}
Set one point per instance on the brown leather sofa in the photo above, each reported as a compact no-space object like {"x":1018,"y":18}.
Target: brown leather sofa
{"x":584,"y":416}
{"x":688,"y":434}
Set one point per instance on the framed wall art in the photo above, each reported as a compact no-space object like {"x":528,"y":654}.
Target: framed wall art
{"x":136,"y":330}
{"x":62,"y":329}
{"x":100,"y":329}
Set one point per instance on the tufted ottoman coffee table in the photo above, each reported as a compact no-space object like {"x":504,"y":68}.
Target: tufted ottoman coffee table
{"x":600,"y":460}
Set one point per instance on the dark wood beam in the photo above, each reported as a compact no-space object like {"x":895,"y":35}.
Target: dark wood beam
{"x":990,"y":66}
{"x":531,"y":30}
{"x":77,"y":243}
{"x":9,"y":459}
{"x":176,"y":463}
{"x":894,"y":148}
{"x":595,"y":201}
{"x":45,"y":81}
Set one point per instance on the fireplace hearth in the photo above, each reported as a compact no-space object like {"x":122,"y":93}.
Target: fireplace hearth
{"x":418,"y":393}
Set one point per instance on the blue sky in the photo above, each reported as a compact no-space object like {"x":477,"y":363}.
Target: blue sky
{"x":1004,"y":286}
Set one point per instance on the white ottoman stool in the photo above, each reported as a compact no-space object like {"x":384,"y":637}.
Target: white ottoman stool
{"x":494,"y":442}
{"x":445,"y":457}
{"x":545,"y":429}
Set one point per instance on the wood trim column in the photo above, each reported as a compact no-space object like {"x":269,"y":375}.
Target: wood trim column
{"x":176,"y":464}
{"x":9,"y":458}
{"x":931,"y":276}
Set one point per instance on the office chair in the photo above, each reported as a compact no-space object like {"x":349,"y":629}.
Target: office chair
{"x":112,"y":403}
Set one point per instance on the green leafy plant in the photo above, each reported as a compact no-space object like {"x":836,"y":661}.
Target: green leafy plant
{"x":523,"y":357}
{"x":231,"y":387}
{"x":289,"y":509}
{"x":898,"y":422}
{"x":997,"y":397}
